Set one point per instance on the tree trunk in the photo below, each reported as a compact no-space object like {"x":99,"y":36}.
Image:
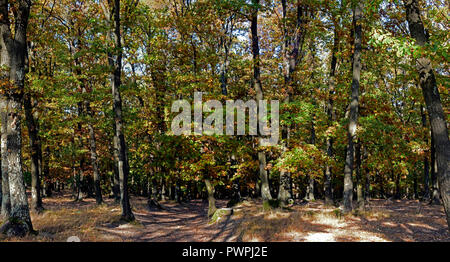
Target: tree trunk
{"x":13,"y":55}
{"x":36,"y":200}
{"x":331,"y":118}
{"x":94,"y":162}
{"x":177,"y":191}
{"x":432,"y":98}
{"x":6,"y":200}
{"x":115,"y":61}
{"x":397,"y":194}
{"x":353,"y":110}
{"x":426,"y":166}
{"x":257,"y":85}
{"x":310,"y":187}
{"x":80,"y":193}
{"x":211,"y":200}
{"x":115,"y":178}
{"x":359,"y":185}
{"x":435,"y":196}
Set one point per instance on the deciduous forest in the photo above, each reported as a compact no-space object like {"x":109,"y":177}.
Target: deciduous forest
{"x":86,"y":105}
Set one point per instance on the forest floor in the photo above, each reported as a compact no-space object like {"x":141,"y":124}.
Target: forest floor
{"x":384,"y":220}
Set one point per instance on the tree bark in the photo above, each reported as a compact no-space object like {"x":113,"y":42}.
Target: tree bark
{"x":310,"y":186}
{"x":115,"y":61}
{"x":6,"y":200}
{"x":435,"y":196}
{"x":436,"y":114}
{"x":257,"y":85}
{"x":36,"y":200}
{"x":211,"y":200}
{"x":331,"y":118}
{"x":94,"y":162}
{"x":353,"y":110}
{"x":426,"y":166}
{"x":359,"y":185}
{"x":13,"y":55}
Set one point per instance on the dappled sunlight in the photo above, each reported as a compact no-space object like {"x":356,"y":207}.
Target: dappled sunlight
{"x":382,"y":221}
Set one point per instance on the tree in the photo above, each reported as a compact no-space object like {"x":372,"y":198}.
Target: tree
{"x":257,"y":86}
{"x":353,"y":109}
{"x":292,"y":52}
{"x":115,"y":61}
{"x":36,"y":200}
{"x":427,"y":82}
{"x":13,"y":55}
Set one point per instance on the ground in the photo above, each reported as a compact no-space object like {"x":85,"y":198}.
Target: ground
{"x":384,"y":220}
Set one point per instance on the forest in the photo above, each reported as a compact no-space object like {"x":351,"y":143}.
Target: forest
{"x":88,"y":147}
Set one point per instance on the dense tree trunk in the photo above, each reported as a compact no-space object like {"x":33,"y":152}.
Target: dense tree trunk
{"x":359,"y":184}
{"x":6,"y":201}
{"x":310,"y":189}
{"x":432,"y":98}
{"x":152,"y":201}
{"x":177,"y":191}
{"x":435,"y":196}
{"x":163,"y":189}
{"x":225,"y":43}
{"x":426,"y":166}
{"x":396,"y":177}
{"x":115,"y":188}
{"x":367,"y":186}
{"x":257,"y":85}
{"x":13,"y":55}
{"x":81,"y":192}
{"x":36,"y":200}
{"x":211,"y":200}
{"x":93,"y":149}
{"x":331,"y":118}
{"x":310,"y":186}
{"x":47,"y":189}
{"x":353,"y":110}
{"x":121,"y":159}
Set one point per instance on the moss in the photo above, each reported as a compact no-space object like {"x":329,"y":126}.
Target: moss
{"x":220,"y":213}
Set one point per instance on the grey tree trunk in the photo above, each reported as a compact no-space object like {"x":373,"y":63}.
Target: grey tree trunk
{"x":426,"y":166}
{"x":94,"y":162}
{"x":359,"y":185}
{"x":115,"y":178}
{"x":13,"y":55}
{"x":310,"y":189}
{"x":80,"y":181}
{"x":211,"y":200}
{"x":115,"y":61}
{"x":257,"y":85}
{"x":36,"y":200}
{"x":432,"y":98}
{"x":6,"y":201}
{"x":353,"y":111}
{"x":331,"y":118}
{"x":226,"y":41}
{"x":310,"y":186}
{"x":435,"y":196}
